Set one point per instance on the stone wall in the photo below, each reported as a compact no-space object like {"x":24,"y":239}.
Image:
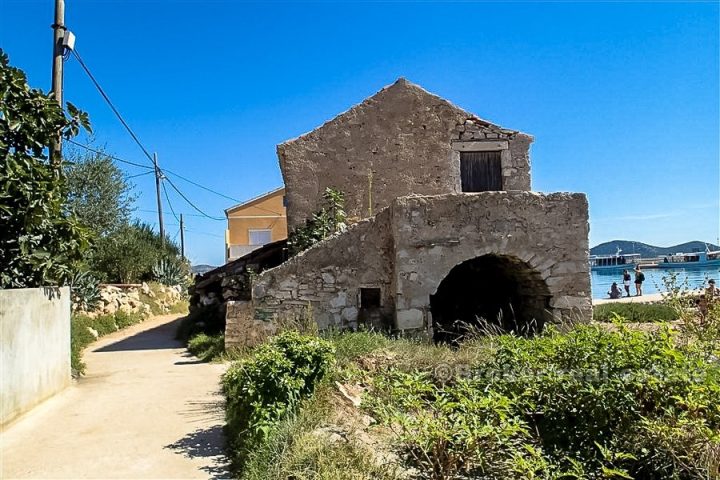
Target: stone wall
{"x":242,"y":329}
{"x":549,"y":233}
{"x":401,"y":141}
{"x":34,"y":347}
{"x":325,"y":281}
{"x":410,"y":248}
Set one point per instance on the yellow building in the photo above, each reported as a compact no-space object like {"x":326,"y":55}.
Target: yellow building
{"x":252,"y":224}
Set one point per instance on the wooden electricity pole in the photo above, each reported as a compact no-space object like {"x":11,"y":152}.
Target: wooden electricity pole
{"x":182,"y":238}
{"x":57,"y":72}
{"x":158,"y":179}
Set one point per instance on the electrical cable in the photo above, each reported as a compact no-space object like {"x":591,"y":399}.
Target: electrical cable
{"x":191,"y":203}
{"x":167,"y":197}
{"x":138,"y":175}
{"x":109,"y":102}
{"x":218,"y":193}
{"x":108,"y":155}
{"x":147,"y":153}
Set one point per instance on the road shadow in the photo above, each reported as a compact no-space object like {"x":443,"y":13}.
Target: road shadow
{"x":207,"y":443}
{"x":156,"y":338}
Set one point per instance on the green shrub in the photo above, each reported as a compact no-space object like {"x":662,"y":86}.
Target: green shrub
{"x":124,"y":319}
{"x":265,"y":388}
{"x":207,"y":347}
{"x":635,"y":312}
{"x":588,"y":403}
{"x":80,"y":337}
{"x":351,"y":345}
{"x":84,"y":292}
{"x":170,"y":272}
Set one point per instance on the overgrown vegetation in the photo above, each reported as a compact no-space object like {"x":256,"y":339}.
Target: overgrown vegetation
{"x":635,"y":312}
{"x":131,"y":252}
{"x":329,"y":220}
{"x":207,"y":347}
{"x":587,"y":403}
{"x":266,"y":388}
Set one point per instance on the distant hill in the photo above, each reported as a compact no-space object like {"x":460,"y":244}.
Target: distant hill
{"x":201,"y":269}
{"x":649,"y":251}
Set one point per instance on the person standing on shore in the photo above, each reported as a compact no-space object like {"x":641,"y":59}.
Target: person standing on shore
{"x":626,"y":282}
{"x":639,"y":279}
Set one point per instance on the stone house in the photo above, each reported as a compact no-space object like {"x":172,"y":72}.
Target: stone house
{"x":444,"y":226}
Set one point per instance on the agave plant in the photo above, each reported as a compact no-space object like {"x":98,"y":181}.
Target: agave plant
{"x":84,"y":291}
{"x":169,"y":273}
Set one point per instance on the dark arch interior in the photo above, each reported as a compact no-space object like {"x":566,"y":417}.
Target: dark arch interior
{"x":501,"y":291}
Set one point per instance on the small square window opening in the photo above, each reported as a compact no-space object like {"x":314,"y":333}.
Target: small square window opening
{"x":370,"y":297}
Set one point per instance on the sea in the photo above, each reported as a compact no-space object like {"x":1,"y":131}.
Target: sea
{"x":654,"y":283}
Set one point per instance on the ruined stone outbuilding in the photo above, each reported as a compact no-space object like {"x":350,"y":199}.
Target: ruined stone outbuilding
{"x":444,"y":227}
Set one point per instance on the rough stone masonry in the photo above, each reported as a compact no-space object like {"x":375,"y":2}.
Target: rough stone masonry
{"x":423,"y":252}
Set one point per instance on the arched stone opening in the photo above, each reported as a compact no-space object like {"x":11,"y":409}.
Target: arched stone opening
{"x":491,"y":290}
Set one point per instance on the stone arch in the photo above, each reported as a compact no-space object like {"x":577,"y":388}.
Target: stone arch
{"x":500,"y":290}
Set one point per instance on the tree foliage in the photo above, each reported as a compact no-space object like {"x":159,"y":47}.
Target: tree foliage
{"x":41,"y":242}
{"x":98,"y":192}
{"x":129,"y":253}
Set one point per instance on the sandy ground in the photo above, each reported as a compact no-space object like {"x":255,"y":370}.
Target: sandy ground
{"x":144,"y":409}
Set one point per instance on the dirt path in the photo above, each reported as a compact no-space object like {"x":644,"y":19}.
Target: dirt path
{"x":145,"y":409}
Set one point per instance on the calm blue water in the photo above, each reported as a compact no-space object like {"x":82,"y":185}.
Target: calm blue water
{"x":653,"y":283}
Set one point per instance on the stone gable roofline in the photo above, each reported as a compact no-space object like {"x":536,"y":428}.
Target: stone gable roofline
{"x":402,"y":82}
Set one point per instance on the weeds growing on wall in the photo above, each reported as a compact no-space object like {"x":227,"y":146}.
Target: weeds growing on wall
{"x":330,"y":219}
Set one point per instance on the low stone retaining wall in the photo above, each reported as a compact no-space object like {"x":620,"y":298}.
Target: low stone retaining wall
{"x":242,"y":329}
{"x":34,"y":347}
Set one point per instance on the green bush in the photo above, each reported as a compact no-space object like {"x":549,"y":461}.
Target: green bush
{"x":265,"y":388}
{"x":207,"y":347}
{"x":129,"y":253}
{"x":41,"y":241}
{"x":635,"y":312}
{"x":84,"y":292}
{"x":588,"y":403}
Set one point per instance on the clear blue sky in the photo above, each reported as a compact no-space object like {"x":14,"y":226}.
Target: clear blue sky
{"x":622,"y":98}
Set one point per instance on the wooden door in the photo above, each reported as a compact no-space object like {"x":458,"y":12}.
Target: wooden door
{"x":480,"y":171}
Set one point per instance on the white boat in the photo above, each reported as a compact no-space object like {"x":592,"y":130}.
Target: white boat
{"x":689,"y":260}
{"x":619,"y":261}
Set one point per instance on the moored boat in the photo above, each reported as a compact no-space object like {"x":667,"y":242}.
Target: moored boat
{"x":614,"y":262}
{"x":685,"y":260}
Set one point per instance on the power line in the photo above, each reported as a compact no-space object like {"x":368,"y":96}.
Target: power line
{"x":202,"y":186}
{"x":149,"y":156}
{"x":109,"y":102}
{"x":138,"y":175}
{"x":218,"y":193}
{"x":167,"y":197}
{"x":189,"y":202}
{"x":117,"y":159}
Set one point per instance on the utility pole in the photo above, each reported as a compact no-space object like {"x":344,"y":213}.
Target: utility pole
{"x":182,"y":238}
{"x":158,"y":179}
{"x":57,"y":72}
